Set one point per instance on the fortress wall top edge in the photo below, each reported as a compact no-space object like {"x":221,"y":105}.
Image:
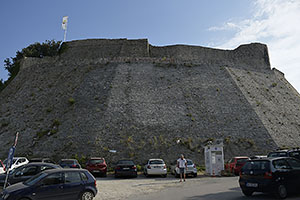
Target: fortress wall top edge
{"x":253,"y":56}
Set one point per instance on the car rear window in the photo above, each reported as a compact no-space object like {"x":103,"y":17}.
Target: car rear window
{"x":157,"y":162}
{"x":68,"y":162}
{"x":125,"y":162}
{"x":98,"y":161}
{"x":278,"y":154}
{"x":257,"y":165}
{"x":242,"y":160}
{"x":189,"y":162}
{"x":295,"y":154}
{"x":84,"y":176}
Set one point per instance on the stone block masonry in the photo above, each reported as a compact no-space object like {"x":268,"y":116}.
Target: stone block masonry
{"x":139,"y":99}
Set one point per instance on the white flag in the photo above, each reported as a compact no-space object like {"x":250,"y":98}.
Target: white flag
{"x":64,"y":22}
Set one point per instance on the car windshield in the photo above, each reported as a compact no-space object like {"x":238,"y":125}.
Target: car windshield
{"x":156,"y":162}
{"x":257,"y":165}
{"x":125,"y":162}
{"x":242,"y":160}
{"x":33,"y":180}
{"x":189,"y":162}
{"x":277,"y":154}
{"x":98,"y":161}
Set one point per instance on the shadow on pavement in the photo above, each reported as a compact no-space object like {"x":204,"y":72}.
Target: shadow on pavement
{"x":232,"y":196}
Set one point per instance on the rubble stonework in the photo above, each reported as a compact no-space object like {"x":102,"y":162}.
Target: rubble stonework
{"x":148,"y":102}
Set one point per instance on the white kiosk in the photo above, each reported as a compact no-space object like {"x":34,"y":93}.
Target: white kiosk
{"x":214,"y":158}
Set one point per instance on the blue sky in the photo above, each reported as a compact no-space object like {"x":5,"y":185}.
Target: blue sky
{"x":213,"y":23}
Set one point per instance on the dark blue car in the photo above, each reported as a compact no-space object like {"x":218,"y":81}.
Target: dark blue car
{"x":69,"y":163}
{"x":58,"y":184}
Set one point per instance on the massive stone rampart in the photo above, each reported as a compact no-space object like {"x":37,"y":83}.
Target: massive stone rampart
{"x":146,"y":101}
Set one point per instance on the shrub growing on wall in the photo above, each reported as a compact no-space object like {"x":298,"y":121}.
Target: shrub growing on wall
{"x":38,"y":50}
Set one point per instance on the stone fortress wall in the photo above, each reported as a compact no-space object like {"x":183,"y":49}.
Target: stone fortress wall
{"x":140,"y":100}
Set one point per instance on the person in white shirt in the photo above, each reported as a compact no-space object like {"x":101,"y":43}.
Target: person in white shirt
{"x":182,"y":165}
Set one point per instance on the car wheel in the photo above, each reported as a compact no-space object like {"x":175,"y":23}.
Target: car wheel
{"x":247,"y":193}
{"x":281,"y":192}
{"x":165,"y":175}
{"x":195,"y":174}
{"x":87,"y":195}
{"x":105,"y":175}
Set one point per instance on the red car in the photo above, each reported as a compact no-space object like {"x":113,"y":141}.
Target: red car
{"x":97,"y":166}
{"x":235,"y":164}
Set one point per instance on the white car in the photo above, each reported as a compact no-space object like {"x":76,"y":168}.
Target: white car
{"x":190,"y":170}
{"x":2,"y":167}
{"x":155,"y":167}
{"x":17,"y":162}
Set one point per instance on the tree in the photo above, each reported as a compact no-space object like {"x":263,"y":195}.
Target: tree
{"x":1,"y":84}
{"x":38,"y":50}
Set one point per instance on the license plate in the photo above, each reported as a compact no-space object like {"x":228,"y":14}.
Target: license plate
{"x":156,"y":167}
{"x":252,"y":185}
{"x":126,"y":168}
{"x":96,"y":171}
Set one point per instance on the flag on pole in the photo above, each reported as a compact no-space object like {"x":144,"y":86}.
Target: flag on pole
{"x":64,"y":22}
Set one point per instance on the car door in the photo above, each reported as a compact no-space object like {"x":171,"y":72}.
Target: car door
{"x":50,"y":188}
{"x":295,"y":173}
{"x":284,"y":172}
{"x":73,"y":185}
{"x":23,"y":174}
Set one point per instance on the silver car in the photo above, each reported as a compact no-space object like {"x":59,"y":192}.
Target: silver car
{"x":155,"y":167}
{"x":190,"y":170}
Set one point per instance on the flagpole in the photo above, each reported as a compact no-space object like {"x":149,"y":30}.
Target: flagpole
{"x":10,"y":159}
{"x":65,"y":34}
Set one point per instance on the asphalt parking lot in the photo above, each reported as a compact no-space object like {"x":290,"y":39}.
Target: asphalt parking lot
{"x":200,"y":188}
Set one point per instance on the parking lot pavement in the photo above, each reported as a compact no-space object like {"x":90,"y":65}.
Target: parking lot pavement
{"x":125,"y":188}
{"x":203,"y":188}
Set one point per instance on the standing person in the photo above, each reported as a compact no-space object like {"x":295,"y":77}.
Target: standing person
{"x":182,"y":165}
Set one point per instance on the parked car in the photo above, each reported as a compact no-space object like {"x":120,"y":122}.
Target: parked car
{"x":279,"y":153}
{"x":58,"y":184}
{"x":2,"y":167}
{"x":125,"y":168}
{"x":235,"y":164}
{"x":190,"y":171}
{"x":295,"y":153}
{"x":44,"y":160}
{"x":69,"y":163}
{"x":257,"y":157}
{"x":155,"y":167}
{"x":17,"y":162}
{"x":25,"y":172}
{"x":97,"y":166}
{"x":279,"y":176}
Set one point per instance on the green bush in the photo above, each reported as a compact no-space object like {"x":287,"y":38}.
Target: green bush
{"x":71,"y":100}
{"x":139,"y":168}
{"x":37,"y":50}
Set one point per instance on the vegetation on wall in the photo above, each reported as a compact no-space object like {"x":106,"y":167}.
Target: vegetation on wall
{"x":38,"y":50}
